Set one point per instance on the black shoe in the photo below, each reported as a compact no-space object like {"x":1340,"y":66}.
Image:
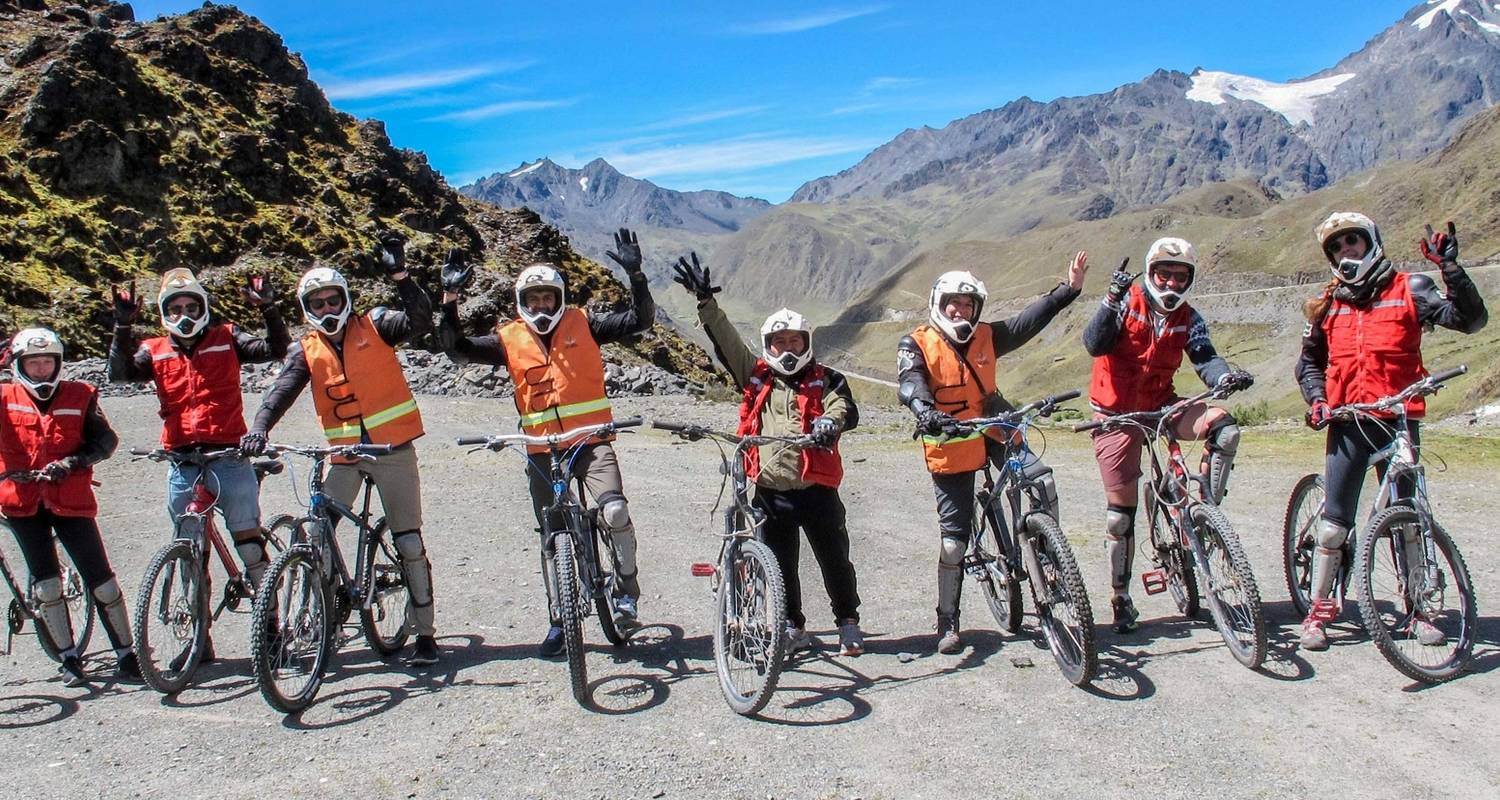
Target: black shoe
{"x":1125,"y":615}
{"x":552,"y":645}
{"x":72,"y":670}
{"x":128,"y":668}
{"x":181,"y":658}
{"x":423,"y":653}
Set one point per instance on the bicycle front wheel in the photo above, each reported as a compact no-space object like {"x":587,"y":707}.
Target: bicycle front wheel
{"x":604,"y":595}
{"x":80,"y":614}
{"x":171,"y":618}
{"x":382,"y":617}
{"x":1299,"y":540}
{"x":1415,"y":597}
{"x":749,"y":643}
{"x":570,"y":616}
{"x":1067,"y":621}
{"x":1002,"y":588}
{"x":291,"y":638}
{"x":1233,"y":597}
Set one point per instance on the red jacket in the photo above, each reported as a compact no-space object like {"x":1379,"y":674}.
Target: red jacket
{"x":1137,"y":374}
{"x":32,"y":438}
{"x":199,"y":393}
{"x":1375,"y":350}
{"x":824,"y":467}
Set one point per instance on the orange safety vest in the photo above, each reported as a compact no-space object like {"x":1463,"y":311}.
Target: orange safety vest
{"x":365,"y":390}
{"x":959,"y":389}
{"x":824,"y":467}
{"x":1136,"y":374}
{"x":199,"y":393}
{"x":559,"y":385}
{"x":32,"y":438}
{"x":1375,"y":350}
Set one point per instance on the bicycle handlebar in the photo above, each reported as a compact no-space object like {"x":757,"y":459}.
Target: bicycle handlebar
{"x":25,"y":476}
{"x":695,"y":432}
{"x":198,"y":457}
{"x":1043,"y":407}
{"x":499,"y":440}
{"x":1421,"y":388}
{"x":337,"y":450}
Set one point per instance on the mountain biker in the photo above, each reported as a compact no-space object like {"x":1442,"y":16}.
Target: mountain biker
{"x":195,"y":369}
{"x":786,"y":392}
{"x":946,"y":374}
{"x":361,"y":395}
{"x":552,"y":353}
{"x":1363,"y":341}
{"x":57,"y":427}
{"x":1137,"y":338}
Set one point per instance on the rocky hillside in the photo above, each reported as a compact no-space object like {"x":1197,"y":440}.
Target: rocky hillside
{"x":127,"y":148}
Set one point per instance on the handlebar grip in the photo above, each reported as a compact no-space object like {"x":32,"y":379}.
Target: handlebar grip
{"x":674,"y":427}
{"x":141,"y":451}
{"x":630,"y":422}
{"x":374,"y":449}
{"x":1087,"y":426}
{"x":1071,"y":394}
{"x":468,"y":441}
{"x":1449,"y":374}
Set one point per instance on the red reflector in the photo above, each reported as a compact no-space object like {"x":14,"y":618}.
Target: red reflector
{"x":702,"y":570}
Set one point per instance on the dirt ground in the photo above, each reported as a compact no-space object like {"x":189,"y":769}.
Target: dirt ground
{"x":1172,"y":714}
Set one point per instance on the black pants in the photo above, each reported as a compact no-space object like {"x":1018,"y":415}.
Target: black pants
{"x":78,"y":535}
{"x":819,"y":512}
{"x":1348,"y":451}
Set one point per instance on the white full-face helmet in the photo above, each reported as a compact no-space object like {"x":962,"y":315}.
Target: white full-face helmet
{"x":33,"y":343}
{"x":319,"y":278}
{"x":1169,"y":250}
{"x":1348,"y":270}
{"x":540,"y":276}
{"x":947,"y":285}
{"x":787,"y":363}
{"x":180,"y":282}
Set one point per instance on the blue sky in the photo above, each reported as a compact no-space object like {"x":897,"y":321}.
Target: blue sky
{"x":757,"y":98}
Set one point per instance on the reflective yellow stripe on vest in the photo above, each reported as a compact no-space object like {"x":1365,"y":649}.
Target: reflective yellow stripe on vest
{"x":350,"y":430}
{"x":563,"y":412}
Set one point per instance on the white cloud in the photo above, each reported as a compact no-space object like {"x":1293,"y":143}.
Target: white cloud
{"x":887,"y":82}
{"x":806,"y":22}
{"x":362,"y":88}
{"x":688,"y":120}
{"x":499,"y":109}
{"x":732,"y":155}
{"x":856,"y":108}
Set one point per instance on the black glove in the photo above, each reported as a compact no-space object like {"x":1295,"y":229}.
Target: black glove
{"x":627,"y":252}
{"x":934,"y":422}
{"x":259,"y":291}
{"x":57,"y":470}
{"x":1441,"y":248}
{"x":1119,"y":281}
{"x":127,"y":304}
{"x":253,"y":443}
{"x":825,"y":431}
{"x":1235,"y":380}
{"x":390,"y":252}
{"x":694,"y":277}
{"x":456,"y":274}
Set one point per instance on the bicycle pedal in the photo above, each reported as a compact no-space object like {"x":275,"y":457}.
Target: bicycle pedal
{"x":1154,"y":581}
{"x":1324,"y":611}
{"x":703,"y":570}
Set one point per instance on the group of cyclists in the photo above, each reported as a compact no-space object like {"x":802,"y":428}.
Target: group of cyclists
{"x":1362,"y":342}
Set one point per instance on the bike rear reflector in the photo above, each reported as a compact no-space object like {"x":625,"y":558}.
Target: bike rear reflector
{"x":1154,"y":581}
{"x":701,"y":570}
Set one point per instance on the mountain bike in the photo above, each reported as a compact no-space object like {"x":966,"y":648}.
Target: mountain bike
{"x":172,"y":608}
{"x":571,"y":542}
{"x":750,"y":595}
{"x":1193,"y":543}
{"x":25,"y":607}
{"x":1406,"y":560}
{"x":308,"y":592}
{"x":1014,"y":546}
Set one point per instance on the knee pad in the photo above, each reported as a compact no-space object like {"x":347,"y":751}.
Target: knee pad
{"x":48,"y":590}
{"x":1222,"y":442}
{"x":251,"y":552}
{"x":952,"y":552}
{"x":1223,"y":436}
{"x":615,"y":513}
{"x":1119,"y":522}
{"x":107,"y":593}
{"x":418,"y":570}
{"x":1331,"y":535}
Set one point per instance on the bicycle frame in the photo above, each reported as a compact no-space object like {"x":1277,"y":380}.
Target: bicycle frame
{"x":24,"y":605}
{"x":324,"y":512}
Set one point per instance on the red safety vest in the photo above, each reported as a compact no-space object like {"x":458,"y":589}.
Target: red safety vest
{"x":32,"y":438}
{"x":1137,"y":374}
{"x":560,"y":386}
{"x":199,"y":393}
{"x":819,"y":466}
{"x":1375,"y":350}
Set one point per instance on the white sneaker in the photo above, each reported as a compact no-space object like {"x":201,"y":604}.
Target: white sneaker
{"x":800,"y":639}
{"x":1426,"y":633}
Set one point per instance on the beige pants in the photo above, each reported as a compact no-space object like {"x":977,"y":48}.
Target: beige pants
{"x":396,"y":478}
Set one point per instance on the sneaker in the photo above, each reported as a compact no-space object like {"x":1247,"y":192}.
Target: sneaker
{"x":72,"y":670}
{"x":948,"y":639}
{"x":423,"y":653}
{"x":627,"y":616}
{"x":128,"y":667}
{"x":1313,"y":636}
{"x":1425,"y":632}
{"x":799,"y":639}
{"x":851,"y":640}
{"x":552,"y":645}
{"x":1125,"y":614}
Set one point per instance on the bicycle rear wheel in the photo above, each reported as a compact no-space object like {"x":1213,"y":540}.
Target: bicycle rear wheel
{"x":291,"y":639}
{"x":171,"y":618}
{"x":565,"y":569}
{"x":80,"y":613}
{"x":1233,"y":597}
{"x":1062,"y":602}
{"x":749,"y":640}
{"x":1173,"y":559}
{"x":383,"y":617}
{"x":1002,"y":588}
{"x":1399,"y":593}
{"x":1299,"y":540}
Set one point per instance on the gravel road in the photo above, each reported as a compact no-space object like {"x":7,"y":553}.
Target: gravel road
{"x":1171,"y":716}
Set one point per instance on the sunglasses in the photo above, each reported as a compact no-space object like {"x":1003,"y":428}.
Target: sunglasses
{"x":184,"y":309}
{"x":1179,"y":276}
{"x":316,"y":304}
{"x":1346,"y":239}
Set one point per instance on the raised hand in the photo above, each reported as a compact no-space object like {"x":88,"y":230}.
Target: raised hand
{"x":127,"y":306}
{"x":627,"y":252}
{"x":1078,"y":268}
{"x":1120,"y":280}
{"x":1440,"y":248}
{"x":694,"y":277}
{"x":390,"y":253}
{"x":456,"y":274}
{"x":259,"y":291}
